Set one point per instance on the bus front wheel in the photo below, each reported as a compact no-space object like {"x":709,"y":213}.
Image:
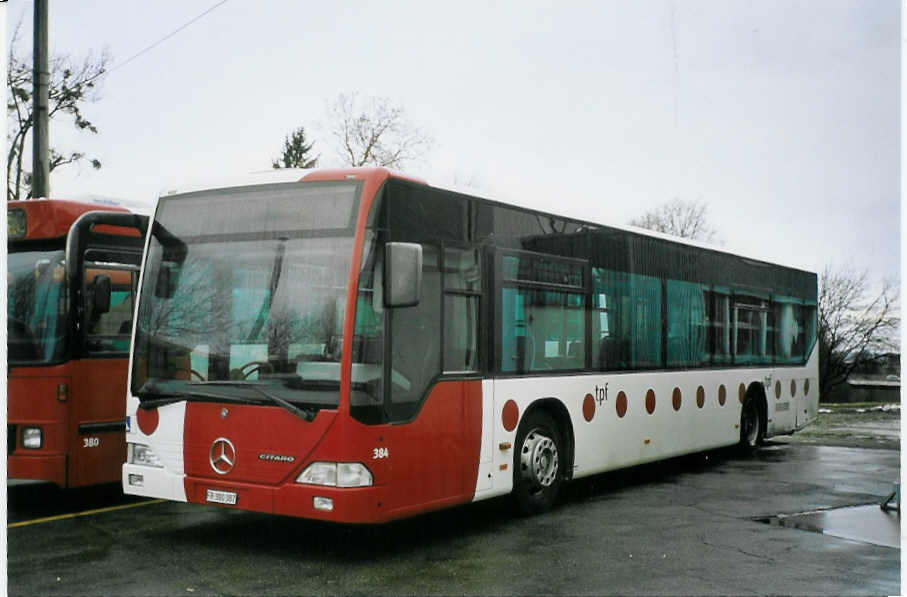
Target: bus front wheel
{"x":538,"y":463}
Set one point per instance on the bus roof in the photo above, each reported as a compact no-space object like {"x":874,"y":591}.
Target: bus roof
{"x":280,"y":175}
{"x":363,"y":173}
{"x":47,"y":218}
{"x":560,"y":212}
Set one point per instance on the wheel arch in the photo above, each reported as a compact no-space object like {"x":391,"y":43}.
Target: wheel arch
{"x":556,"y":409}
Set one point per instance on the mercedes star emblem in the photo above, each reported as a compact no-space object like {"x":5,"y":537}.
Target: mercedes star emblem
{"x":222,"y":456}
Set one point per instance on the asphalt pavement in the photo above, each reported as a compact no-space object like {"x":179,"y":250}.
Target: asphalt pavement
{"x":703,"y":524}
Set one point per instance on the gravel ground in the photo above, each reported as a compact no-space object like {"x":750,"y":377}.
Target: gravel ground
{"x":853,"y":425}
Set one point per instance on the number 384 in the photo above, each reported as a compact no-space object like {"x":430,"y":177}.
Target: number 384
{"x":380,"y":453}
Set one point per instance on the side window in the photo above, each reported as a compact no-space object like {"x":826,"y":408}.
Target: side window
{"x":415,"y":338}
{"x":416,"y":342}
{"x":109,"y":331}
{"x":686,"y":324}
{"x":753,"y":330}
{"x":462,"y":295}
{"x":628,"y":308}
{"x":545,"y":330}
{"x":719,"y":328}
{"x":796,"y":330}
{"x":808,"y":318}
{"x":543,"y":319}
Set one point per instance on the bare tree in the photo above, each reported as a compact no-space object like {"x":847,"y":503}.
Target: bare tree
{"x":71,"y":84}
{"x":856,"y":327}
{"x":686,"y":219}
{"x":296,"y":152}
{"x":375,"y":131}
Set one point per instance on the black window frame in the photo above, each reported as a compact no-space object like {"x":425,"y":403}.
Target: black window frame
{"x":476,"y":293}
{"x":583,"y":289}
{"x":124,"y":261}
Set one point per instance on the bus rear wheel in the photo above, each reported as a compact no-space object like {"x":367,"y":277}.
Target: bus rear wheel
{"x":538,"y":463}
{"x":752,"y":431}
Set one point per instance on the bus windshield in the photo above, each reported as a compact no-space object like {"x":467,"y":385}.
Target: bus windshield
{"x":244,"y":294}
{"x":36,"y":307}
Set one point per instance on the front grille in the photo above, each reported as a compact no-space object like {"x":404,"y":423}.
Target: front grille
{"x":10,"y":439}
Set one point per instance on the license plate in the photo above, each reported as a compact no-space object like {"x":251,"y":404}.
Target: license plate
{"x":221,"y":497}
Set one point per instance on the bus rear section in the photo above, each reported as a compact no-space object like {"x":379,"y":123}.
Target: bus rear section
{"x":72,"y":274}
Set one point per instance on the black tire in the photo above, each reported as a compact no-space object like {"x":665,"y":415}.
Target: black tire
{"x":752,"y":429}
{"x":538,"y":463}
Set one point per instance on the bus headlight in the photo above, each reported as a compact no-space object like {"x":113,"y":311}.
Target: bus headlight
{"x":32,"y":438}
{"x":353,"y":474}
{"x":142,"y":454}
{"x":336,"y":474}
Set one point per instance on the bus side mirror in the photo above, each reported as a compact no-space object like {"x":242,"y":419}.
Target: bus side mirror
{"x":100,"y":294}
{"x":402,"y":274}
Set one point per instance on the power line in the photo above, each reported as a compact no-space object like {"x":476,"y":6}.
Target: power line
{"x":160,"y":41}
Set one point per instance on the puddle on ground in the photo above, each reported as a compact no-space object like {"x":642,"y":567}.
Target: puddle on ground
{"x":867,"y":524}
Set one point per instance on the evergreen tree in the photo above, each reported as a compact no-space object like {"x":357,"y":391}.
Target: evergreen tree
{"x":296,"y":152}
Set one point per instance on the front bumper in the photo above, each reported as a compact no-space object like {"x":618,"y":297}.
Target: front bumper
{"x":350,"y":505}
{"x":156,"y":483}
{"x":39,"y":467}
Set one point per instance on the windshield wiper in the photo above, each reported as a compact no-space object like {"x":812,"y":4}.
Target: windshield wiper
{"x":147,"y":403}
{"x":307,"y":414}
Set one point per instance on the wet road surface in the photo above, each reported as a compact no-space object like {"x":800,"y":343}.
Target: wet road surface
{"x":686,"y":526}
{"x":869,"y":524}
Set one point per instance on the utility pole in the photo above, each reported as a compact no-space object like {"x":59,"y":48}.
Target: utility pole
{"x":41,"y":77}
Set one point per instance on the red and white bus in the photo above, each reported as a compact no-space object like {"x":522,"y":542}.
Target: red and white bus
{"x":358,"y":346}
{"x":72,"y":272}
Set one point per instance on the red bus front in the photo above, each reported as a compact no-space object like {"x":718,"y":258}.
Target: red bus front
{"x":67,"y":358}
{"x":260,"y":374}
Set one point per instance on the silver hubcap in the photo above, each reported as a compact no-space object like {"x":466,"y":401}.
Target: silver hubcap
{"x":538,"y":459}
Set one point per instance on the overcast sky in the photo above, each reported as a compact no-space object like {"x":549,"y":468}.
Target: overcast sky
{"x":784,"y":117}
